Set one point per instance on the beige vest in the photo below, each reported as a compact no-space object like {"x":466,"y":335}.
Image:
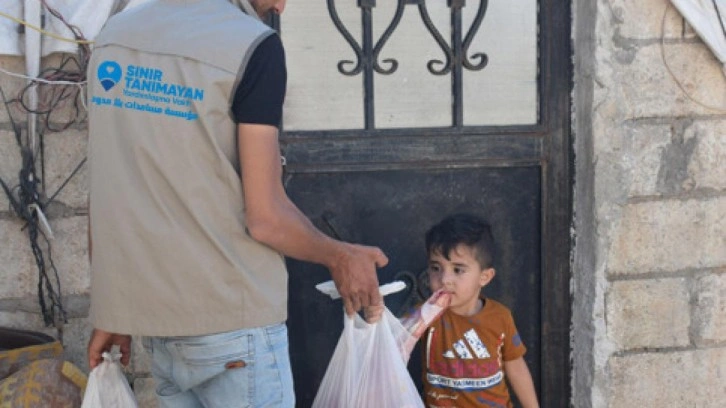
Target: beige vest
{"x":171,"y":255}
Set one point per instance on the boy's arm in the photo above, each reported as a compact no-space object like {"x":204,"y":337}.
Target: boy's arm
{"x":521,"y":381}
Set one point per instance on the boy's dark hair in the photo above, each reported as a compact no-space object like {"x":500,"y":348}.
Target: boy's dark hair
{"x":467,"y":229}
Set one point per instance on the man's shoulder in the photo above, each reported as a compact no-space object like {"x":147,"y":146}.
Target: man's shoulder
{"x":202,"y":18}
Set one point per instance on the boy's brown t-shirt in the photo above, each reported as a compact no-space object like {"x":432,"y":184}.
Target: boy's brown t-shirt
{"x":463,"y":358}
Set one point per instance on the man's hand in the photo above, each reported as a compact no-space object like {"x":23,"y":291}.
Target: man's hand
{"x":354,"y":274}
{"x":374,"y":313}
{"x":103,"y":341}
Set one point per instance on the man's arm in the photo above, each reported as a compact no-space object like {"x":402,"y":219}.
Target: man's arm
{"x":520,"y":379}
{"x":273,"y":219}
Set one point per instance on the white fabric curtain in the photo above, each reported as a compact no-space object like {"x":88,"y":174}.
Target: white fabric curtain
{"x":9,"y":44}
{"x":88,"y":15}
{"x":708,"y":19}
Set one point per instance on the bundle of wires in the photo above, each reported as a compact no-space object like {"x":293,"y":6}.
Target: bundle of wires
{"x":56,"y":87}
{"x":25,"y":200}
{"x":62,"y":84}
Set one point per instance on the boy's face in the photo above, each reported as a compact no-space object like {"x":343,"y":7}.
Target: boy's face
{"x":462,"y":276}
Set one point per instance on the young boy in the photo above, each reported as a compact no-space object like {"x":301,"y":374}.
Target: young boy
{"x":474,"y":346}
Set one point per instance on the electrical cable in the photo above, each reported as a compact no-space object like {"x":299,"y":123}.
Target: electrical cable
{"x":25,"y":202}
{"x":51,"y":98}
{"x":44,"y":32}
{"x":40,"y":79}
{"x":52,"y":93}
{"x":73,"y":173}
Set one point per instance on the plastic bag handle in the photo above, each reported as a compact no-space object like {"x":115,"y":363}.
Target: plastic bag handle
{"x":329,"y":288}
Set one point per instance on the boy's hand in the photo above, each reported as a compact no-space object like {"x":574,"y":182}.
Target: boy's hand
{"x":103,"y":341}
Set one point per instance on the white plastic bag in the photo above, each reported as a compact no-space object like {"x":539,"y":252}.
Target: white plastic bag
{"x":368,"y":369}
{"x":107,"y":386}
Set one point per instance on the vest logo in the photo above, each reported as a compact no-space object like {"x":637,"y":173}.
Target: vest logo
{"x":109,"y":74}
{"x":144,"y":89}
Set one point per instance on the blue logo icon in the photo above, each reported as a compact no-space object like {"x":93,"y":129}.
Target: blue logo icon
{"x":109,"y":73}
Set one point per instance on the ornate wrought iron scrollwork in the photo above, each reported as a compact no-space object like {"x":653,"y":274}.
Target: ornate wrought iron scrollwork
{"x":367,"y":51}
{"x":483,"y":58}
{"x":448,"y":51}
{"x":361,"y":58}
{"x":451,"y":58}
{"x":350,"y":40}
{"x":384,"y":38}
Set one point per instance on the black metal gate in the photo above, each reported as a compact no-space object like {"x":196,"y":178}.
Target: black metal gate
{"x":385,"y":187}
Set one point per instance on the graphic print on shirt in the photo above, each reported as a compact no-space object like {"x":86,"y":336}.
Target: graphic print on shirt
{"x":144,"y":89}
{"x":467,"y":365}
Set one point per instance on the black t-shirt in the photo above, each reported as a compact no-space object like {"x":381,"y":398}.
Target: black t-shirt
{"x":261,"y":92}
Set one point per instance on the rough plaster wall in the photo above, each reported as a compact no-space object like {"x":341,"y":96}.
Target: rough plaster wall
{"x":585,"y":289}
{"x":650,"y":256}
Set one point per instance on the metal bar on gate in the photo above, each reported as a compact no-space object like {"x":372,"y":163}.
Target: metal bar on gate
{"x":457,"y":82}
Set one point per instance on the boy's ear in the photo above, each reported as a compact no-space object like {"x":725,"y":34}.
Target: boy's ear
{"x":486,"y":276}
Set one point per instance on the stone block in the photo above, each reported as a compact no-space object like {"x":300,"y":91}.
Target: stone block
{"x":64,"y":152}
{"x":70,"y":253}
{"x":21,"y":319}
{"x":76,"y":334}
{"x":17,"y":265}
{"x":643,"y":19}
{"x":76,"y":306}
{"x":646,"y":88}
{"x":669,"y":235}
{"x":642,"y":157}
{"x":648,"y":313}
{"x":709,"y":313}
{"x":10,"y":162}
{"x":706,"y":169}
{"x":12,"y":86}
{"x":145,"y":390}
{"x":692,"y":378}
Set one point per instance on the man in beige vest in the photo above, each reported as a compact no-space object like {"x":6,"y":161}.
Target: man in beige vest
{"x":185,"y":98}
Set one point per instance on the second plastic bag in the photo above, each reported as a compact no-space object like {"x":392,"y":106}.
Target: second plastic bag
{"x":107,"y":386}
{"x":368,"y":369}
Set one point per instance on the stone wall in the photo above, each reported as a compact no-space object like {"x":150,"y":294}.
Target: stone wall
{"x":649,"y":265}
{"x":62,"y":152}
{"x":650,"y":256}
